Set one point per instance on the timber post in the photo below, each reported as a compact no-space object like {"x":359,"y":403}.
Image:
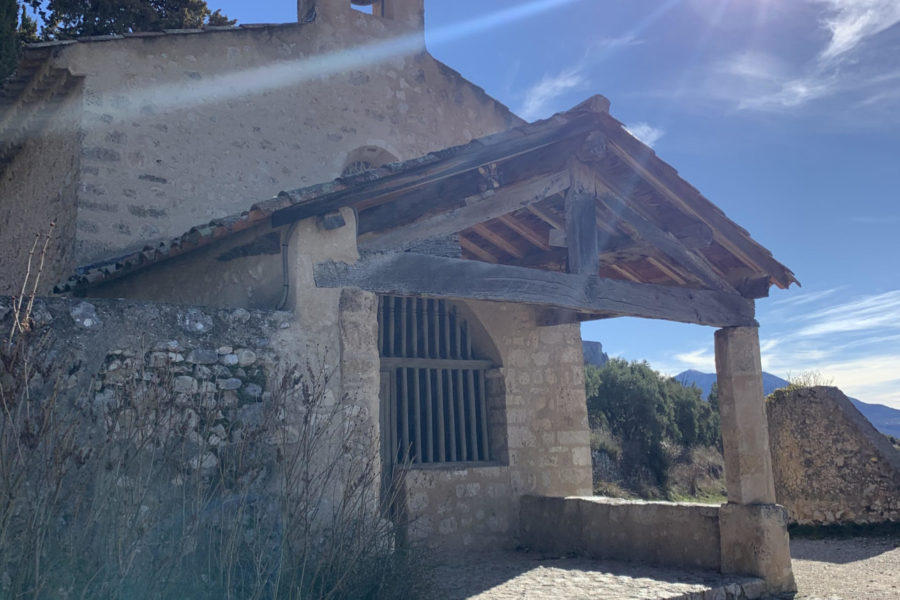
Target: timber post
{"x":753,"y":528}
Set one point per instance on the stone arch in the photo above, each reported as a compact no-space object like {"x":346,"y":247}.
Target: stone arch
{"x":364,"y":158}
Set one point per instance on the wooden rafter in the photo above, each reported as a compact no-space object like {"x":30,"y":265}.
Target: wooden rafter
{"x":666,"y":270}
{"x":533,"y":237}
{"x":477,"y":250}
{"x":547,"y":218}
{"x":497,"y":240}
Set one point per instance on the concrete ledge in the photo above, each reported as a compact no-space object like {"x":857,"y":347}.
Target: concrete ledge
{"x":662,"y":533}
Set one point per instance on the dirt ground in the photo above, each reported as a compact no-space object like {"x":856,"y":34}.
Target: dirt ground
{"x":847,"y":569}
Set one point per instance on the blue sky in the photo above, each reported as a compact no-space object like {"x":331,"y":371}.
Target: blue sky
{"x":785,"y":113}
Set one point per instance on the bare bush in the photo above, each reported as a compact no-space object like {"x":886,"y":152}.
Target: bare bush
{"x":137,"y":490}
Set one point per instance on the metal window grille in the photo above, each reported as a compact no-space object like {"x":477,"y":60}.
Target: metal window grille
{"x":433,"y":387}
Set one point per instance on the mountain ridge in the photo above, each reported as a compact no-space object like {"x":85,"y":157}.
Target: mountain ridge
{"x":884,"y":418}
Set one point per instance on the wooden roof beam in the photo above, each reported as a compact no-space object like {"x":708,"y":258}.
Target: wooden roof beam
{"x":504,"y":200}
{"x":405,"y":273}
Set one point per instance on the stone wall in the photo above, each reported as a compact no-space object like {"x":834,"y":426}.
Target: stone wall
{"x":38,"y":187}
{"x":830,"y":464}
{"x":662,"y":533}
{"x":182,"y":128}
{"x":539,"y":419}
{"x":88,"y":352}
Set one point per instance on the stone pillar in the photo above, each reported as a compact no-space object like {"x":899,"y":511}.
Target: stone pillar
{"x":753,"y":529}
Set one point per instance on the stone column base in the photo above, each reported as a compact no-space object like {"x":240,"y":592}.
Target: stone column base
{"x":754,"y":541}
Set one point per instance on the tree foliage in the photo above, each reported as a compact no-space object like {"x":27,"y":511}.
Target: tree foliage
{"x":67,"y":19}
{"x":647,"y":411}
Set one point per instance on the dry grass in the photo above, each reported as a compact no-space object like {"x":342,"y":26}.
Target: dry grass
{"x":157,"y":494}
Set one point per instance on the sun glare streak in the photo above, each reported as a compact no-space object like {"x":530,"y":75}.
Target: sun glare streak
{"x":159,"y":99}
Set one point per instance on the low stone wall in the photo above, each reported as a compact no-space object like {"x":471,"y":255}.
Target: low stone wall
{"x":466,"y":507}
{"x":831,"y":466}
{"x":662,"y":533}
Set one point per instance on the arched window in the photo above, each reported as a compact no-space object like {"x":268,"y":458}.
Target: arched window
{"x":364,"y":158}
{"x":433,"y":385}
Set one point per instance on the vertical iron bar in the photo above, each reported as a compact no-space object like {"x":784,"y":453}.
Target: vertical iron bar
{"x":461,"y":409}
{"x":468,"y":335}
{"x":417,"y":414}
{"x":472,"y":422}
{"x":436,"y":330}
{"x":402,"y":327}
{"x":426,"y":325}
{"x":391,"y":325}
{"x":458,"y":331}
{"x":403,"y":393}
{"x":485,"y":441}
{"x":428,"y":440}
{"x":439,"y":384}
{"x":414,"y":323}
{"x":446,"y":329}
{"x":451,"y":412}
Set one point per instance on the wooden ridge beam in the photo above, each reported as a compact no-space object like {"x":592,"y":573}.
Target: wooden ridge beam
{"x":504,"y":200}
{"x":405,"y":273}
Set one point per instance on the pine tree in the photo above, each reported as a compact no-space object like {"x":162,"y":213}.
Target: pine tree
{"x":9,"y":42}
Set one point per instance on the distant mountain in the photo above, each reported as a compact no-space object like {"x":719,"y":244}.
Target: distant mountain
{"x":704,"y":381}
{"x":594,"y":354}
{"x":885,"y":419}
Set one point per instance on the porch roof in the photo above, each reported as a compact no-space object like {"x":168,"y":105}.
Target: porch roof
{"x":508,"y":199}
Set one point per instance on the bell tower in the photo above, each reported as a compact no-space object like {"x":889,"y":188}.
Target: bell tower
{"x":408,"y":12}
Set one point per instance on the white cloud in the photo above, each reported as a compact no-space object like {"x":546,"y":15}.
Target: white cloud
{"x":645,"y":132}
{"x":845,"y":65}
{"x":806,"y":298}
{"x":702,"y":359}
{"x":880,"y":311}
{"x":539,"y":97}
{"x":852,"y":21}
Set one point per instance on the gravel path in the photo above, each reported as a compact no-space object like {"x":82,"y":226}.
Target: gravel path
{"x":830,"y":569}
{"x":523,"y":576}
{"x":847,"y":569}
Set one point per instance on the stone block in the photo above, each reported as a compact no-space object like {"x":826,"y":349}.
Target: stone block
{"x":754,"y":541}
